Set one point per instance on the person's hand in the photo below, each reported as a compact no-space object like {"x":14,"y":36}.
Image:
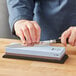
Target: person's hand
{"x":28,"y":31}
{"x":69,"y":34}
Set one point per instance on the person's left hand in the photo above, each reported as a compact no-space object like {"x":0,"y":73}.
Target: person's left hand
{"x":69,"y":34}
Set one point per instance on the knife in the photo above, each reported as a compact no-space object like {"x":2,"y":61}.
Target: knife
{"x":48,"y":42}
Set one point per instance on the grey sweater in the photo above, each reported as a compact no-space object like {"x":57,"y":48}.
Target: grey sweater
{"x":53,"y":16}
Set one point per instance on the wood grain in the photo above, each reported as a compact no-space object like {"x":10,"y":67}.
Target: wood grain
{"x":12,"y":67}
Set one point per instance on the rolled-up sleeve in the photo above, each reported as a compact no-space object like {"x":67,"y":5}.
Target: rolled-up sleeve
{"x":20,"y":9}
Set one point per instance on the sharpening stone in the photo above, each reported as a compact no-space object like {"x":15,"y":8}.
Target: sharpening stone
{"x":39,"y":53}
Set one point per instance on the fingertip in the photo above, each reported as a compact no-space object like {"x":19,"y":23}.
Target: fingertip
{"x":59,"y":38}
{"x":65,"y":44}
{"x":23,"y":41}
{"x":63,"y":41}
{"x":24,"y":44}
{"x":72,"y":44}
{"x":75,"y":43}
{"x":29,"y":41}
{"x":38,"y":40}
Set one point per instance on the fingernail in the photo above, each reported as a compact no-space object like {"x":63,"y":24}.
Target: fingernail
{"x":64,"y":44}
{"x":24,"y":44}
{"x":38,"y":40}
{"x":75,"y":43}
{"x":72,"y":44}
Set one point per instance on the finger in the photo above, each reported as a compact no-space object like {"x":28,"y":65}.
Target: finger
{"x":26,"y":34}
{"x":59,"y":37}
{"x":72,"y":38}
{"x":75,"y":43}
{"x":38,"y":31}
{"x":64,"y":36}
{"x":21,"y":35}
{"x":31,"y":29}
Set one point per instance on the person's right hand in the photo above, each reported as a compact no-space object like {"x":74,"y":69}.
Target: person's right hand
{"x":28,"y":31}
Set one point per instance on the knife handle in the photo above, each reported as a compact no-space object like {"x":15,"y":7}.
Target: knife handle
{"x":59,"y":41}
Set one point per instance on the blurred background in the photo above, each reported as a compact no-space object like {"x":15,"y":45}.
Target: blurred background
{"x":4,"y":24}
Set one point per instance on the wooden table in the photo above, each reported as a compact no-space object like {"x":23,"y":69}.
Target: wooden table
{"x":13,"y":67}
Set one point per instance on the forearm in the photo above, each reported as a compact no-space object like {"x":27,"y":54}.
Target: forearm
{"x":20,"y":10}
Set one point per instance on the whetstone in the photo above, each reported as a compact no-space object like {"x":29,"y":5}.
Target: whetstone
{"x":41,"y":53}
